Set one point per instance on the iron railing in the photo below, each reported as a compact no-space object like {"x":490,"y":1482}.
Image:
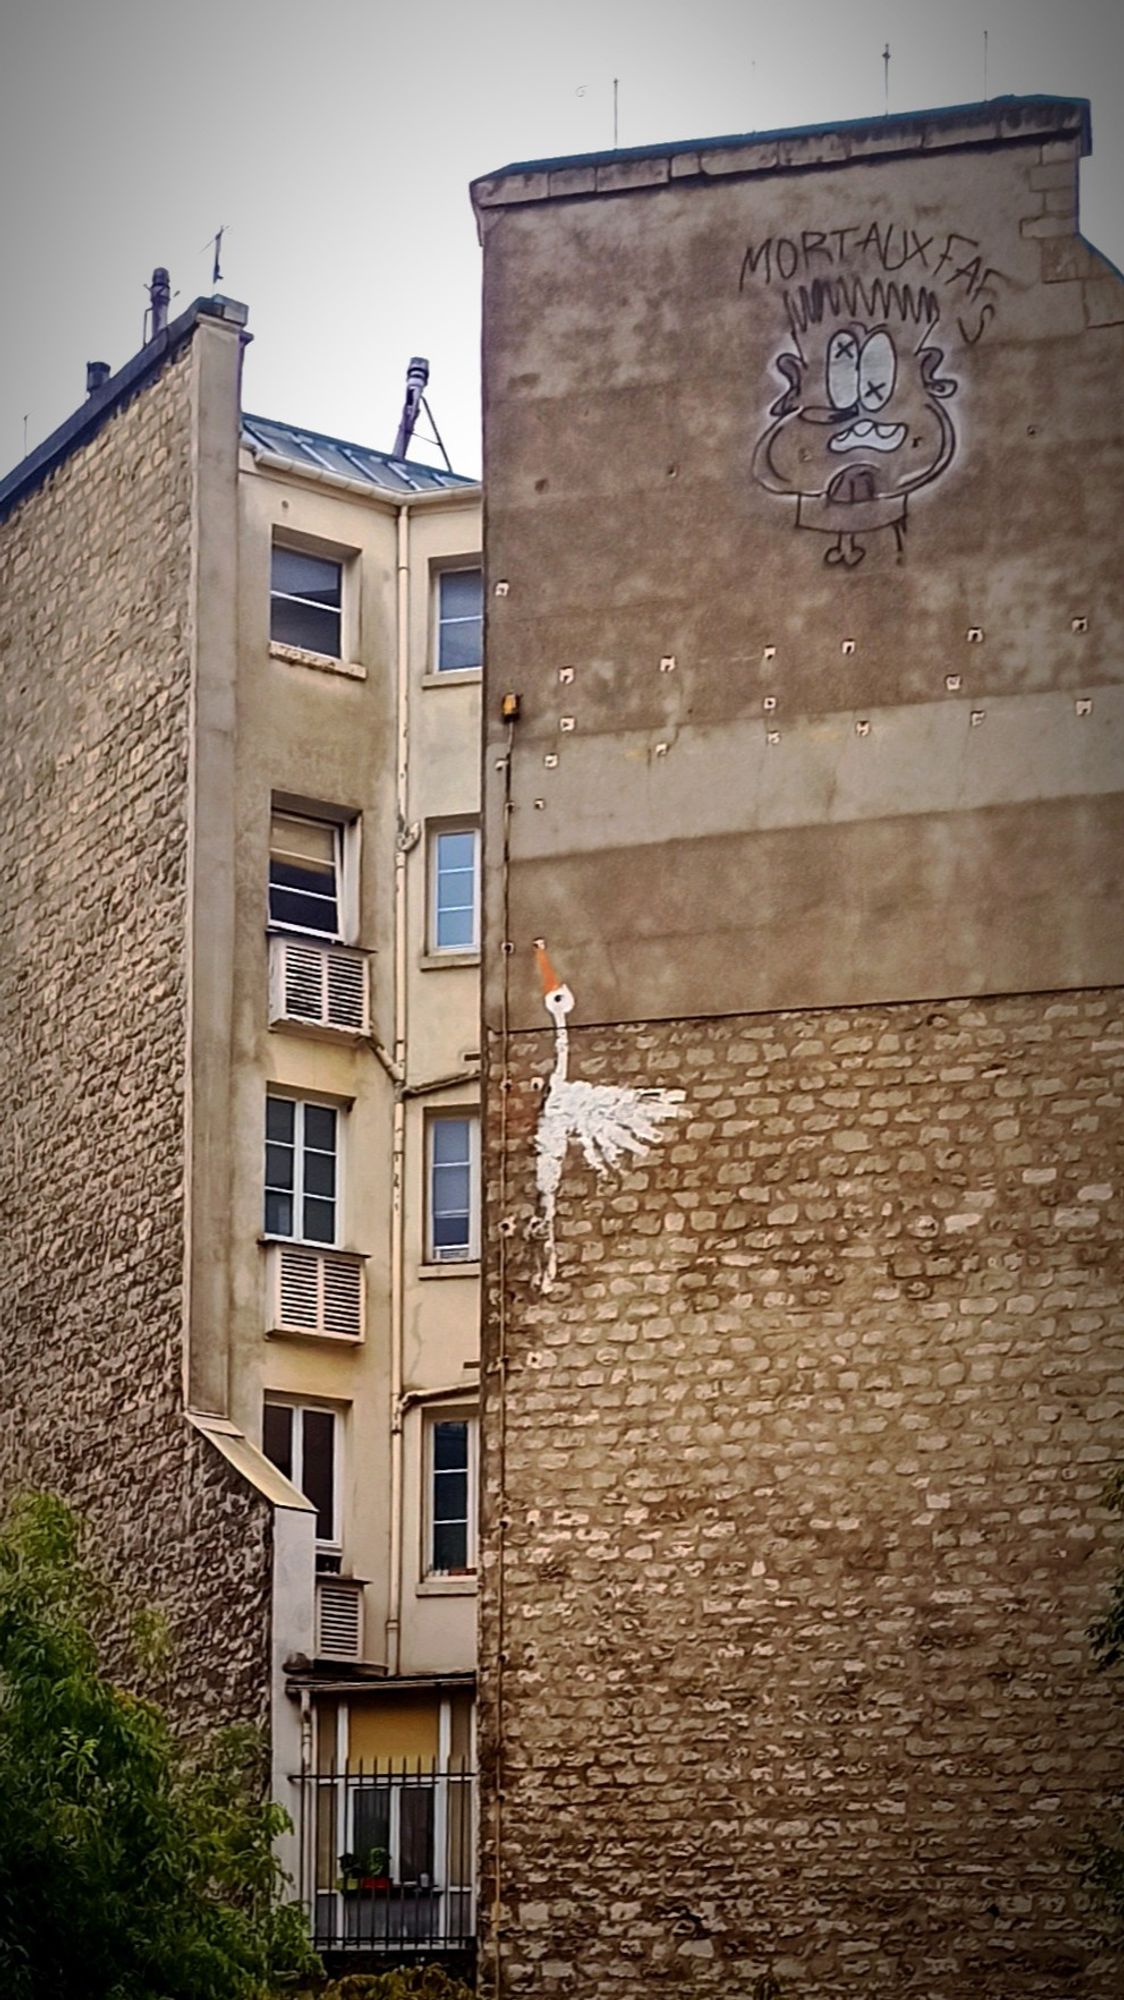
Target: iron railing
{"x":388,"y":1858}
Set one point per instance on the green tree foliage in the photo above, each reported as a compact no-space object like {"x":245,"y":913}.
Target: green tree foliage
{"x":1103,"y":1860}
{"x":131,"y":1868}
{"x":422,"y":1982}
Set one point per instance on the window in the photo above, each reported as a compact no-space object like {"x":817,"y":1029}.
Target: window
{"x":395,"y":1819}
{"x":306,"y":601}
{"x":314,"y":869}
{"x":455,"y":889}
{"x":301,"y":1441}
{"x":305,"y":866}
{"x":301,"y":1169}
{"x":460,"y":620}
{"x":453,"y":1174}
{"x":452,"y":1496}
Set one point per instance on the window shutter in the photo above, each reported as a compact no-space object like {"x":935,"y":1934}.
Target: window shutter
{"x":298,"y":1290}
{"x":347,"y":991}
{"x":318,"y":985}
{"x":317,"y":1292}
{"x":303,"y":984}
{"x":342,"y":1297}
{"x":339,"y":1619}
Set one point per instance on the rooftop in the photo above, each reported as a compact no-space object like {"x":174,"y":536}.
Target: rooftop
{"x":315,"y":452}
{"x":994,"y":121}
{"x":322,"y":457}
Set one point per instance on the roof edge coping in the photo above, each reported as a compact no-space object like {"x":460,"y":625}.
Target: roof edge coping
{"x":994,"y":121}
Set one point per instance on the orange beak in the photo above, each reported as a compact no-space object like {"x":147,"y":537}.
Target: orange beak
{"x":547,"y":973}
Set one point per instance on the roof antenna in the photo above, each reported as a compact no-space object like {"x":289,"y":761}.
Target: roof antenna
{"x":417,"y":377}
{"x":886,"y":81}
{"x":985,"y":64}
{"x":616,"y":106}
{"x":216,"y":269}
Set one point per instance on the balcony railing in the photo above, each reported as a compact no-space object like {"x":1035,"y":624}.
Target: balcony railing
{"x":388,"y":1859}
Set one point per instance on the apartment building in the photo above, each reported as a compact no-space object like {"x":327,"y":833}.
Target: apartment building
{"x":803,"y":1113}
{"x":241,"y":678}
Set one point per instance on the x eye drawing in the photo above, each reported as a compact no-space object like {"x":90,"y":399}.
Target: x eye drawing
{"x":878,"y":368}
{"x":843,"y":371}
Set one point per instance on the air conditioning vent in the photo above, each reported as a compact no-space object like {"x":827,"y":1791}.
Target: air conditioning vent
{"x":318,"y":1292}
{"x":315,"y":985}
{"x":339,"y":1619}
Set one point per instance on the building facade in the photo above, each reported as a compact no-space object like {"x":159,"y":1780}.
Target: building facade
{"x":242,"y":703}
{"x":802,"y":1381}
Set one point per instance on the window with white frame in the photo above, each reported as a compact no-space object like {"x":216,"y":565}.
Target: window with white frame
{"x":451,"y":1462}
{"x":306,"y":601}
{"x":453,"y":1182}
{"x":302,"y":1441}
{"x":460,"y":620}
{"x":302,"y":1169}
{"x":454,"y":888}
{"x":308,"y":885}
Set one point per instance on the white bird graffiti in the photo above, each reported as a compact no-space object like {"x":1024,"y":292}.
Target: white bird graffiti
{"x":607,"y":1120}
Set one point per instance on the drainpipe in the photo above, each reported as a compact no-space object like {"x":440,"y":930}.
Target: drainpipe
{"x":306,"y":1820}
{"x":306,"y":1733}
{"x":398,"y":1145}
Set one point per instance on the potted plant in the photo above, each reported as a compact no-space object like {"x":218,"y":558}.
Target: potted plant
{"x":368,"y":1870}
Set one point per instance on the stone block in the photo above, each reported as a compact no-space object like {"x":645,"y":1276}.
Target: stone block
{"x":1104,"y":302}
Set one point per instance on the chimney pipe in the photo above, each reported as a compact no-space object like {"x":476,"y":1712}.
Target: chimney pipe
{"x":97,"y":375}
{"x":159,"y":295}
{"x":417,"y":375}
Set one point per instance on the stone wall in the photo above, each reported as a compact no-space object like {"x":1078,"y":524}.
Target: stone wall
{"x":804,"y":1459}
{"x":95,"y":668}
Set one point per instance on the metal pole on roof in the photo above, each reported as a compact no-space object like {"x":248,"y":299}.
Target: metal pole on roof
{"x":616,"y":100}
{"x":417,"y":375}
{"x":437,"y":437}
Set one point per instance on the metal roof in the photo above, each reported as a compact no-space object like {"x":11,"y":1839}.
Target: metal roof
{"x":321,"y":454}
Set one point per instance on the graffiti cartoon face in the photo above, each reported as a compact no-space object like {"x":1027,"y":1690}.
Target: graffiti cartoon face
{"x":861,"y":425}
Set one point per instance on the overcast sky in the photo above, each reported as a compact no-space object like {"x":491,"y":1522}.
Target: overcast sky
{"x":336,"y":141}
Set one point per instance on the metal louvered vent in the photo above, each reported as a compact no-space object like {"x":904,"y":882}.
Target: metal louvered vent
{"x":318,"y":1292}
{"x":347,"y":990}
{"x":339,"y":1618}
{"x":318,"y":985}
{"x":342,"y":1297}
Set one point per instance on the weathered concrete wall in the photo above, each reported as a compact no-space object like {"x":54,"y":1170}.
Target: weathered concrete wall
{"x":804,"y":1461}
{"x":793,"y":1523}
{"x":95,"y":668}
{"x":848,"y":763}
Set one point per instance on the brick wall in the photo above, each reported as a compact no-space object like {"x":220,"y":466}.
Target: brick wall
{"x":94,"y":669}
{"x":804,"y":1458}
